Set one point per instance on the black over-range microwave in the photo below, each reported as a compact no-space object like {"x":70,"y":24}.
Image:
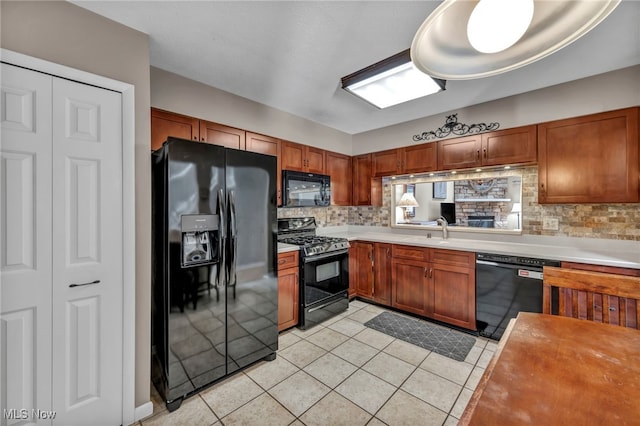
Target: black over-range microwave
{"x":300,"y":189}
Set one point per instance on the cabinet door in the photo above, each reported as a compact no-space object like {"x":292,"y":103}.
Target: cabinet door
{"x":382,"y":273}
{"x":270,"y":146}
{"x":385,"y":163}
{"x":217,"y":134}
{"x":409,"y":290}
{"x":364,"y":257}
{"x":315,"y":160}
{"x":353,"y":269}
{"x":339,"y":169}
{"x":453,"y":296}
{"x":293,"y":156}
{"x":590,"y":159}
{"x":459,"y":153}
{"x":362,"y":180}
{"x":288,"y":298}
{"x":165,"y":124}
{"x":288,"y":290}
{"x":420,"y":158}
{"x":511,"y":146}
{"x":262,"y":144}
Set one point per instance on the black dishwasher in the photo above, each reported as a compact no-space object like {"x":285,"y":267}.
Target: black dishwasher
{"x":506,"y":285}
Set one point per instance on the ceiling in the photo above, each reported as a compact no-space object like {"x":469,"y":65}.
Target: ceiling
{"x":291,"y":55}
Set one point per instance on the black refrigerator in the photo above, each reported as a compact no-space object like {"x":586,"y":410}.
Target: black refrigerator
{"x":214,"y":265}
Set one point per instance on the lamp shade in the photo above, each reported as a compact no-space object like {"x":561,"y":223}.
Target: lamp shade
{"x":407,"y":200}
{"x":517,"y":208}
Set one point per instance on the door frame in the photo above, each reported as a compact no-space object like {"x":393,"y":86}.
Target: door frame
{"x":128,"y":206}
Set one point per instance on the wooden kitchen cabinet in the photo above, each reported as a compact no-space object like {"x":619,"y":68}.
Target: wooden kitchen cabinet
{"x":364,"y":268}
{"x":270,"y":146}
{"x":435,"y":283}
{"x":165,"y":124}
{"x":382,"y":273}
{"x":367,"y":190}
{"x":419,"y":158}
{"x":353,"y":269}
{"x":372,"y":271}
{"x":452,"y":297}
{"x":459,"y":153}
{"x":288,"y":290}
{"x":589,"y":159}
{"x":385,"y":163}
{"x":218,"y":134}
{"x":503,"y":147}
{"x":303,"y":158}
{"x":410,"y":276}
{"x":340,"y":170}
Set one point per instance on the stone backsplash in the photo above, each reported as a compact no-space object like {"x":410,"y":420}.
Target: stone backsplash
{"x":607,"y":221}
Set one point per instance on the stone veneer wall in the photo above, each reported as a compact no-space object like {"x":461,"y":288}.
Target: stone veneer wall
{"x":607,"y":221}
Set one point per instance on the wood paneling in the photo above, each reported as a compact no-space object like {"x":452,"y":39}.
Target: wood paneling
{"x":382,"y":273}
{"x":409,"y":291}
{"x":385,"y":163}
{"x":226,"y":136}
{"x":288,"y":290}
{"x":419,"y":158}
{"x":459,"y":153}
{"x":362,"y":180}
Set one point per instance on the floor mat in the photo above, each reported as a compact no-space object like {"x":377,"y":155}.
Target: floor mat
{"x":436,"y":338}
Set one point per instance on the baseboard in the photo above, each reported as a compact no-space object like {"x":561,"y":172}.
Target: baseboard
{"x":143,"y":411}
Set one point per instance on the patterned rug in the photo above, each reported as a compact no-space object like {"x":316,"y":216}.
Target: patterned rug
{"x":436,"y":338}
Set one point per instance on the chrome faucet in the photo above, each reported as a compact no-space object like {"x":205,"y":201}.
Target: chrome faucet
{"x":443,"y":222}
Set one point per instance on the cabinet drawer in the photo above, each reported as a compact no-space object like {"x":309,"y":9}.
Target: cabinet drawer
{"x":409,"y":252}
{"x":453,"y":257}
{"x":287,"y":260}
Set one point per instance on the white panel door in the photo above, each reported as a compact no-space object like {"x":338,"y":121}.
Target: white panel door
{"x":87,"y":254}
{"x":25,"y":251}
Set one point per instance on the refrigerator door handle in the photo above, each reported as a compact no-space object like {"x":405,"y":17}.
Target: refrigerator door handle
{"x":220,"y":279}
{"x":233,"y":241}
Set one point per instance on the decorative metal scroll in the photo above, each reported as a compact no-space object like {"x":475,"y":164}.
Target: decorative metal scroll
{"x":451,"y":126}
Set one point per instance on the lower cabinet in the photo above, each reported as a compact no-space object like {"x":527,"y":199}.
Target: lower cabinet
{"x":453,"y":288}
{"x":371,"y":272}
{"x":435,"y":283}
{"x":288,"y":290}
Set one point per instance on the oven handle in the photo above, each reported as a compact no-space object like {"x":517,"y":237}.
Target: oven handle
{"x":326,"y":255}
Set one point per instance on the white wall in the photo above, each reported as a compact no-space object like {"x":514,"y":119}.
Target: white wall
{"x":604,"y":92}
{"x":174,"y":93}
{"x":63,"y":33}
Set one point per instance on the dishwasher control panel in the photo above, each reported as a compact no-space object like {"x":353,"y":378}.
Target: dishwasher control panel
{"x":516,"y":260}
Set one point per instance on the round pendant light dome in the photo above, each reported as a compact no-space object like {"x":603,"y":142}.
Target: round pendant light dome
{"x":441,"y":47}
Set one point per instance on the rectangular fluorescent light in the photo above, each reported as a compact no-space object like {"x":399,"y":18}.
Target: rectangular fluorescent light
{"x":391,"y":81}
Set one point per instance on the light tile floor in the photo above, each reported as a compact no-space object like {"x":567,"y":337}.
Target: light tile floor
{"x":338,"y":373}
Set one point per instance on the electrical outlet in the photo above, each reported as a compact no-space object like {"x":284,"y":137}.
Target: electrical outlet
{"x":550,"y":224}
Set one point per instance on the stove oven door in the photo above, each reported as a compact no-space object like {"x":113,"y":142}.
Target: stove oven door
{"x":325,"y":286}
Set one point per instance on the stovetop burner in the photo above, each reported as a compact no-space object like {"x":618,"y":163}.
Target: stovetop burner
{"x":301,"y":232}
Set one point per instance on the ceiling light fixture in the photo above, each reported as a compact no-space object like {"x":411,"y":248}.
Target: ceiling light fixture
{"x":445,"y":46}
{"x":495,"y":25}
{"x":391,"y":81}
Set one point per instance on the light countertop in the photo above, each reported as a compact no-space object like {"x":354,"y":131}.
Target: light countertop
{"x":624,"y":254}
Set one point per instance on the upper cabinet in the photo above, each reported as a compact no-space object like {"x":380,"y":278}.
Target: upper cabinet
{"x":339,"y":169}
{"x":510,"y":146}
{"x":367,"y":190}
{"x":302,"y":158}
{"x":217,"y":134}
{"x":589,"y":159}
{"x":503,"y":147}
{"x":165,"y":124}
{"x":411,"y":159}
{"x":270,"y":146}
{"x":419,"y":158}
